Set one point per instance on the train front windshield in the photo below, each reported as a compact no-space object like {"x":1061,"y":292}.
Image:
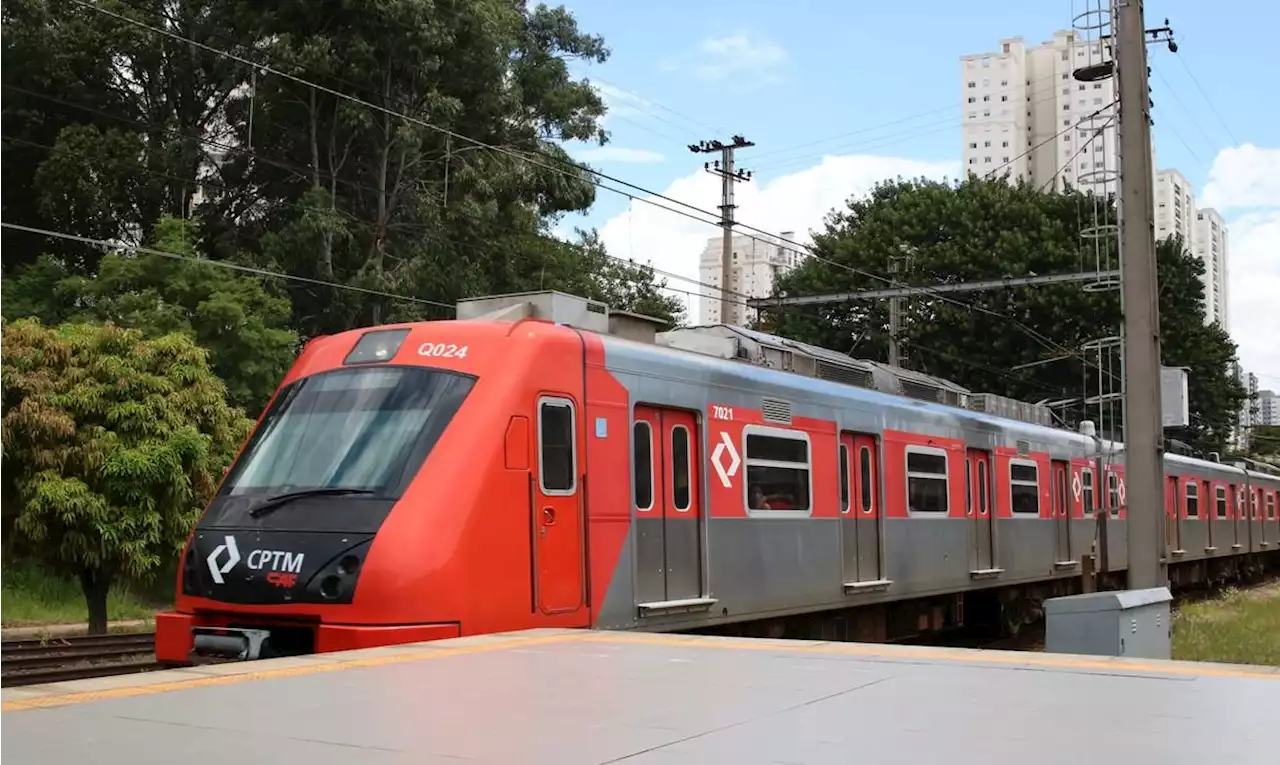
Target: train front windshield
{"x":366,"y":429}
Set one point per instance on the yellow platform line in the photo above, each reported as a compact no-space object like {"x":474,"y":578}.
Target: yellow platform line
{"x":957,"y":656}
{"x":80,"y":697}
{"x":864,"y":650}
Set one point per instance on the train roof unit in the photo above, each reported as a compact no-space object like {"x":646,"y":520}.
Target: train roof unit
{"x":747,"y":346}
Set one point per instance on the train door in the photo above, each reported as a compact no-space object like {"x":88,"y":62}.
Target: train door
{"x":1238,"y":521}
{"x":557,"y":520}
{"x":982,"y":556}
{"x":1173,"y":515}
{"x":1061,"y":512}
{"x":667,"y":505}
{"x":866,"y":507}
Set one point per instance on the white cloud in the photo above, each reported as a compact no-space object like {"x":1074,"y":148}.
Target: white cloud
{"x":746,"y":57}
{"x":798,"y":202}
{"x":1244,"y":176}
{"x":617,"y":154}
{"x":1253,"y":273}
{"x":1247,"y":179}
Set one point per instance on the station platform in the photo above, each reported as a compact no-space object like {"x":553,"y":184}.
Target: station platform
{"x":561,"y":696}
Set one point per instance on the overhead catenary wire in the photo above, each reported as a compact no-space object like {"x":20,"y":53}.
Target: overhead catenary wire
{"x":217,"y":263}
{"x":711,"y":218}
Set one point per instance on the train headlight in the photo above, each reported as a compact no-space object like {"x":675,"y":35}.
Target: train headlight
{"x":376,"y":346}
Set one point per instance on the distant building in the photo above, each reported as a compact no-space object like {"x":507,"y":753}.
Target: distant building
{"x":1175,"y":207}
{"x":1025,"y":114}
{"x":1268,"y":408}
{"x":756,"y":263}
{"x":1210,"y":244}
{"x":1248,"y":416}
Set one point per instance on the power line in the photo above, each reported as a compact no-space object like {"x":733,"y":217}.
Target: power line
{"x":219,"y":263}
{"x":773,"y":239}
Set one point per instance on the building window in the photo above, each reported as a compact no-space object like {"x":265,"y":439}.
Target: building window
{"x":986,"y":144}
{"x":1004,"y":98}
{"x":1024,"y":487}
{"x":973,"y":161}
{"x":642,"y":464}
{"x":1193,"y":500}
{"x":986,"y":114}
{"x":1005,"y":144}
{"x":927,"y":485}
{"x":777,"y":463}
{"x":1004,"y":83}
{"x":986,"y":160}
{"x":986,"y":98}
{"x":1004,"y":159}
{"x":973,"y":84}
{"x":986,"y":61}
{"x":973,"y":144}
{"x":1066,"y":107}
{"x":972,"y":99}
{"x":1066,"y":91}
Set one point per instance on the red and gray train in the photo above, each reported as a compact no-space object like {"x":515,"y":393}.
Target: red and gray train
{"x":439,"y":479}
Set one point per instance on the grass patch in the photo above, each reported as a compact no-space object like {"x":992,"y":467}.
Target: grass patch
{"x":1238,"y":627}
{"x":29,"y":597}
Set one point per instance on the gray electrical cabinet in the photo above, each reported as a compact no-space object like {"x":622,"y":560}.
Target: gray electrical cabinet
{"x":1134,"y":623}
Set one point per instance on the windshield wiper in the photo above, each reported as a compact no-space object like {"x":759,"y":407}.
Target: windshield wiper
{"x":271,"y":503}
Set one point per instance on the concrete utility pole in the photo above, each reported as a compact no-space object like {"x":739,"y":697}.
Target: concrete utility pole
{"x":897,"y":264}
{"x":724,"y":167}
{"x":1144,"y":433}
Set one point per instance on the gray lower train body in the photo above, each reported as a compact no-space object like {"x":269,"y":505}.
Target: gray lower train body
{"x":689,"y":573}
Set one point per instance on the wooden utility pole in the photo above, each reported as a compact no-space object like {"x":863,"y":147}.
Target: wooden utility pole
{"x":1144,"y":432}
{"x":729,"y":175}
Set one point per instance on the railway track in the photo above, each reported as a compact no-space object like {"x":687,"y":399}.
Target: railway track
{"x":54,"y":660}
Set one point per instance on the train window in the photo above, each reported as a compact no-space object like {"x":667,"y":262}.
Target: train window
{"x":1193,"y":500}
{"x":1086,"y":491}
{"x":844,"y":478}
{"x":927,"y":486}
{"x":777,"y":463}
{"x":864,"y":460}
{"x":642,"y":464}
{"x":982,"y":487}
{"x":367,"y":428}
{"x":1271,"y":507}
{"x":1253,"y":503}
{"x":680,"y":467}
{"x":555,"y":445}
{"x":1024,"y":487}
{"x":1113,"y":489}
{"x":1221,"y":501}
{"x":968,"y":488}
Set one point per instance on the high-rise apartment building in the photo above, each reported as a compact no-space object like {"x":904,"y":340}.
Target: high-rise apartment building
{"x":757,"y":261}
{"x":1268,"y":408}
{"x":1210,"y":245}
{"x":1175,"y":207}
{"x":1248,"y":416}
{"x":1025,"y":114}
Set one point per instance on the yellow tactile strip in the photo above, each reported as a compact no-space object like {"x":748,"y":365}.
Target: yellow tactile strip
{"x":440,"y":650}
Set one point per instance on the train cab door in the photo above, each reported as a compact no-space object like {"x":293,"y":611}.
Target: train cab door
{"x":982,"y":512}
{"x":1061,"y":513}
{"x":557,"y":512}
{"x":667,"y":504}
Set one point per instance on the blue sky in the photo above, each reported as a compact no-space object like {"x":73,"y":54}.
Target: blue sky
{"x":838,"y":95}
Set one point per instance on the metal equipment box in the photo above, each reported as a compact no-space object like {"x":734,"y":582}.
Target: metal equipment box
{"x":1134,"y":623}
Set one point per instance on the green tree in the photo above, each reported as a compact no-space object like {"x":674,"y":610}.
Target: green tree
{"x":975,"y":230}
{"x":112,"y":444}
{"x":360,"y":195}
{"x":242,"y":322}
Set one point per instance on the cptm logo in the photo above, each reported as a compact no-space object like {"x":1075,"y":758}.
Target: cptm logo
{"x":282,"y":566}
